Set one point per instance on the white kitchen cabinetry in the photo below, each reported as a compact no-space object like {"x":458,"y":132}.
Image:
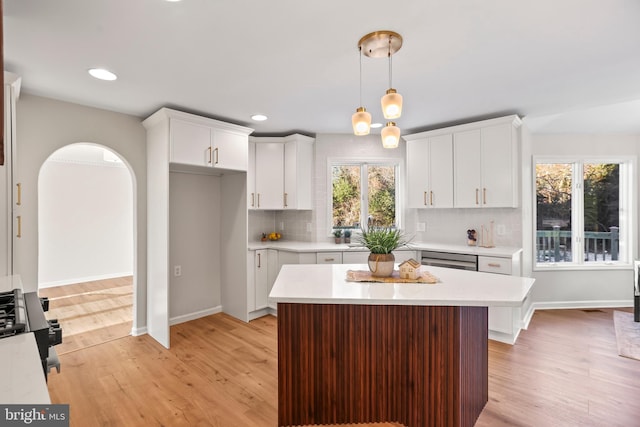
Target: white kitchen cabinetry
{"x":282,"y":173}
{"x":10,"y":211}
{"x":170,"y":136}
{"x":269,"y":181}
{"x":430,"y":171}
{"x":504,"y":322}
{"x":485,"y":164}
{"x":199,"y":141}
{"x":265,"y":268}
{"x":298,"y":172}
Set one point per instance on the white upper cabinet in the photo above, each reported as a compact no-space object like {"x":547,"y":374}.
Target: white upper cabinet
{"x":269,"y":181}
{"x":282,"y":173}
{"x":430,"y":172}
{"x":486,"y":167}
{"x":190,"y":143}
{"x":229,"y":150}
{"x":298,"y":172}
{"x":200,"y":141}
{"x":473,"y":165}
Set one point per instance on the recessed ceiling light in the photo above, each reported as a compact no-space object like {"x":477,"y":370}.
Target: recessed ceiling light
{"x":173,"y":0}
{"x":259,"y":117}
{"x":102,"y":74}
{"x":376,"y":125}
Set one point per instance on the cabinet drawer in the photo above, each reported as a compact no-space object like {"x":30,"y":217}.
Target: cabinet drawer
{"x":494,"y":265}
{"x":329,"y":258}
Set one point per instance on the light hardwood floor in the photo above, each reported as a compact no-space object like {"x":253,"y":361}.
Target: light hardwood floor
{"x":91,"y":313}
{"x":563,"y":371}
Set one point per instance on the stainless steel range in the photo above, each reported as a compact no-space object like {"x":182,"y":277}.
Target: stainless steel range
{"x":22,"y":313}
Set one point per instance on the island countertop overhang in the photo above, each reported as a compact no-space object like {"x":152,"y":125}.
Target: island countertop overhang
{"x":327,"y":284}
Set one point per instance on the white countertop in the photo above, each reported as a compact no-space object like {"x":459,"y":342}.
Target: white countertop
{"x":23,"y":380}
{"x":326,"y":284}
{"x":293,"y":246}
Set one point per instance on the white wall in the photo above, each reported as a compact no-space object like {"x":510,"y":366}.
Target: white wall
{"x":85,"y":218}
{"x":594,"y":287}
{"x":43,"y":126}
{"x":194,"y":243}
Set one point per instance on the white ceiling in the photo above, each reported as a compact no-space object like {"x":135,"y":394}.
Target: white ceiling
{"x":297,"y":61}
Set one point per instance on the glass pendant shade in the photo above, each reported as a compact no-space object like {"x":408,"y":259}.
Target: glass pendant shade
{"x":391,"y":104}
{"x":390,"y":135}
{"x":361,"y":121}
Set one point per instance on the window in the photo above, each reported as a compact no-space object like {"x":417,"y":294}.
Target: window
{"x":363,"y":194}
{"x":583,"y":212}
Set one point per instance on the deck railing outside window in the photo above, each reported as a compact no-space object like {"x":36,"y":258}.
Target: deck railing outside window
{"x":555,"y":245}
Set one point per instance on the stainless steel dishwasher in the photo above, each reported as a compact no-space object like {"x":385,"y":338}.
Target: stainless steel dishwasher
{"x":450,"y":260}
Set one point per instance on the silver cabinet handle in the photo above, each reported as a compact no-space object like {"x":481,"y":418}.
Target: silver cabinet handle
{"x":259,"y":261}
{"x":216,"y":150}
{"x":484,"y":196}
{"x":209,"y":150}
{"x":253,"y":200}
{"x":285,"y":200}
{"x":477,"y":191}
{"x":424,"y":198}
{"x":431,"y":198}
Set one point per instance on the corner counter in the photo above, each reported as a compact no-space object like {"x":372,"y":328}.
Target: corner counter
{"x":416,"y":354}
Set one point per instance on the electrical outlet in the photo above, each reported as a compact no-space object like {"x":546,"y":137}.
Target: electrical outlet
{"x":501,"y":229}
{"x":420,"y":226}
{"x":308,"y":227}
{"x":177,"y":270}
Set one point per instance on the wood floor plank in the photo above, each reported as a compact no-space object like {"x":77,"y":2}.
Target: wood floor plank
{"x":563,"y":371}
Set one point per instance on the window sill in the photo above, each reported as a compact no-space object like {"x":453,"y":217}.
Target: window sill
{"x":583,"y":267}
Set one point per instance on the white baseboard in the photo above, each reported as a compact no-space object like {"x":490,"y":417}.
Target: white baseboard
{"x":259,"y":313}
{"x":136,"y":332}
{"x":195,"y":315}
{"x":559,"y":305}
{"x":83,"y":279}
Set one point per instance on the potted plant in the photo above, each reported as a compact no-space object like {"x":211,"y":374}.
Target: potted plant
{"x":381,"y":241}
{"x":347,"y":236}
{"x":337,"y":234}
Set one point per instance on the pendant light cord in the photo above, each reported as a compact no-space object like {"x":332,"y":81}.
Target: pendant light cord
{"x":390,"y":68}
{"x":360,"y":55}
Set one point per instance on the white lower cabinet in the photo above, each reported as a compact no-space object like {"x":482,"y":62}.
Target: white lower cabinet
{"x":504,"y":322}
{"x":262,"y":276}
{"x":329,"y":258}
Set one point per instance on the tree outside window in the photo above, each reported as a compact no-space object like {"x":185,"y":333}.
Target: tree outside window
{"x":378,"y":181}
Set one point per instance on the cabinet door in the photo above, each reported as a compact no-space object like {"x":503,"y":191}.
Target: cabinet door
{"x":298,"y":174}
{"x":497,"y":160}
{"x":229,"y":150}
{"x":441,"y":171}
{"x":251,"y":177}
{"x":269,"y":175}
{"x":261,"y":276}
{"x":273,"y":265}
{"x":190,"y":143}
{"x":418,"y":173}
{"x":467,"y":177}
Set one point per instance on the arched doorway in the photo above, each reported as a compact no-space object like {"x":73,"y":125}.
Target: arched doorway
{"x":86,"y":243}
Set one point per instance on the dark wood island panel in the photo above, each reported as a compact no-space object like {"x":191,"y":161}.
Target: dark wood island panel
{"x":414,"y":365}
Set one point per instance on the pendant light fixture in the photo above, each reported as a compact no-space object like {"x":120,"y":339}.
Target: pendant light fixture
{"x":380,"y":44}
{"x":390,"y":135}
{"x":392,"y":101}
{"x":361,"y":119}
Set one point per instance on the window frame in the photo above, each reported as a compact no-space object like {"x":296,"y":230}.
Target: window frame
{"x":397,"y":163}
{"x":627,"y":205}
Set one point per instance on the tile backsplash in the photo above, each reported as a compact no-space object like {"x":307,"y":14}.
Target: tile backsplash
{"x":291,"y":224}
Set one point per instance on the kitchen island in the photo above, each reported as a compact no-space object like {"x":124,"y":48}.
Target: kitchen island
{"x":410,"y":353}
